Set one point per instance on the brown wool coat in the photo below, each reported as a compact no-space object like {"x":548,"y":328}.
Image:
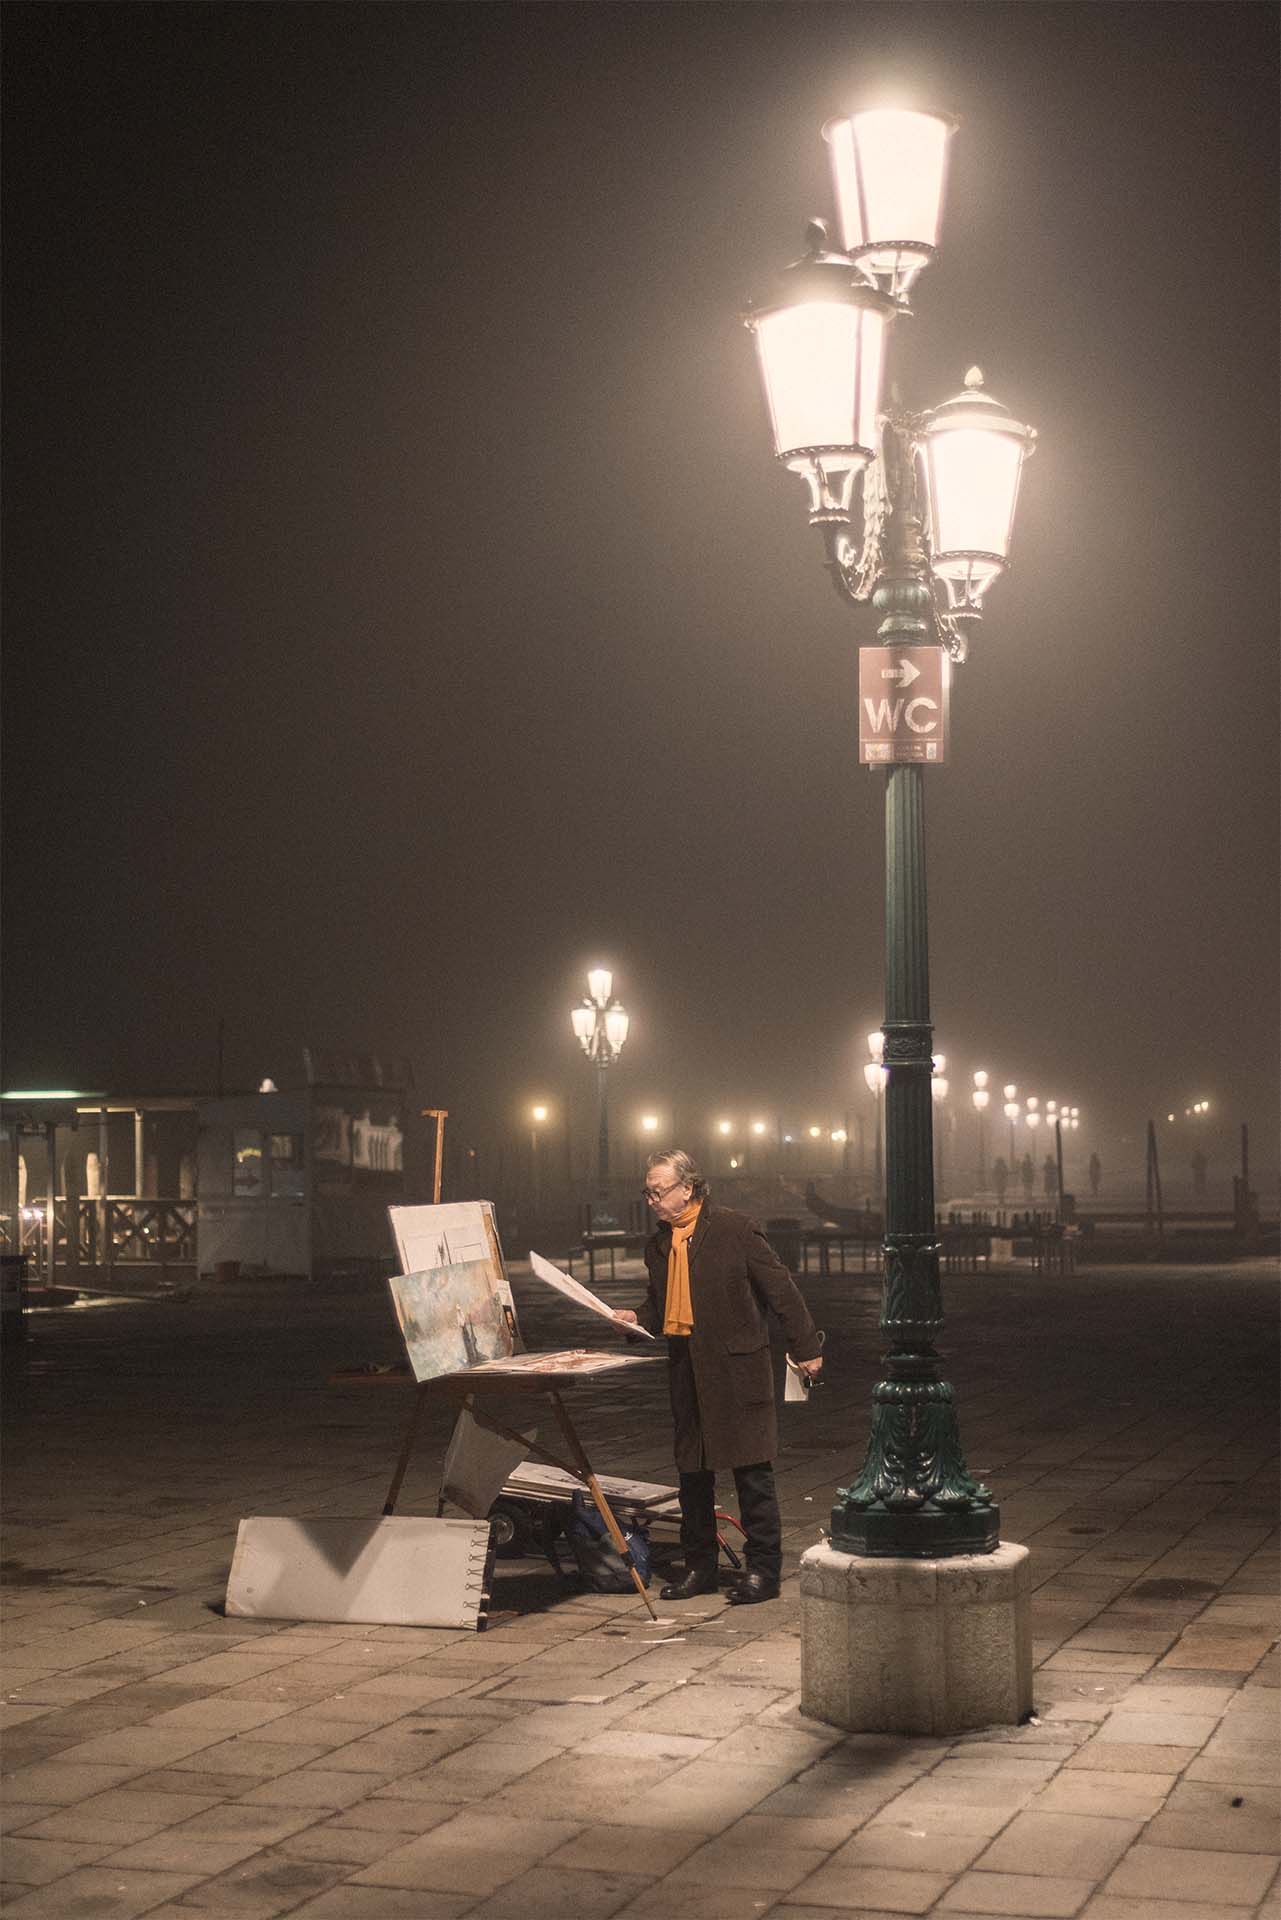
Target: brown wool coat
{"x":723,"y":1400}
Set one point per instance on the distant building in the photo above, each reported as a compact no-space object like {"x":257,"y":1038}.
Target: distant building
{"x":299,"y":1182}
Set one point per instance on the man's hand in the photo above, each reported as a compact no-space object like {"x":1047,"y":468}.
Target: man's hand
{"x":625,"y":1317}
{"x":811,"y":1367}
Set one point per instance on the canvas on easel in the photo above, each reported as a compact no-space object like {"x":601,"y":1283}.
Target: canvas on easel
{"x":452,"y":1302}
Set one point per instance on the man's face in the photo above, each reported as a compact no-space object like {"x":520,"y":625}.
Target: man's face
{"x":667,"y":1194}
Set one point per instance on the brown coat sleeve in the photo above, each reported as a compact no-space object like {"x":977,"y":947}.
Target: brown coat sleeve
{"x":775,"y":1286}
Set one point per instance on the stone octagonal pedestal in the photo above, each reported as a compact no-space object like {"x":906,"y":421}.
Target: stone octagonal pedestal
{"x":916,"y":1646}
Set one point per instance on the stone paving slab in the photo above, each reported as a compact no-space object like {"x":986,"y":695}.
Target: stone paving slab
{"x":575,"y":1760}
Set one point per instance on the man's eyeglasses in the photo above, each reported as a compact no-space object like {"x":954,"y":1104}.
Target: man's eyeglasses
{"x":655,"y":1194}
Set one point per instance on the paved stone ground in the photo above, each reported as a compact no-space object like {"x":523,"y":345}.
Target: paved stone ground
{"x":576,"y":1760}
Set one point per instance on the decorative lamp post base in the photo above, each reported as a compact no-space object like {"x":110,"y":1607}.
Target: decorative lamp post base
{"x":916,"y":1646}
{"x":917,"y":1533}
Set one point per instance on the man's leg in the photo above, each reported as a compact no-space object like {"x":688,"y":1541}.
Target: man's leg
{"x":759,"y":1515}
{"x":698,"y":1537}
{"x":698,"y":1520}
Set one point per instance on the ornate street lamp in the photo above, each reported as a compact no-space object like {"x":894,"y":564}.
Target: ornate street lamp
{"x":600,"y":1027}
{"x":938,"y":494}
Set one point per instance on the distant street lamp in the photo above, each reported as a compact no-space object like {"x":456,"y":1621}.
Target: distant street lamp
{"x":1012,"y":1111}
{"x":538,"y":1120}
{"x":926,"y":558}
{"x":874,"y":1074}
{"x":980,"y":1098}
{"x":600,"y":1027}
{"x":938,"y":1093}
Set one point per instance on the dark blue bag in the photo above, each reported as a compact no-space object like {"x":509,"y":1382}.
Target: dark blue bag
{"x":597,"y":1557}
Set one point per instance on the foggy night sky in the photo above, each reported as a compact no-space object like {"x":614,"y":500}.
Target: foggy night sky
{"x":404,"y":611}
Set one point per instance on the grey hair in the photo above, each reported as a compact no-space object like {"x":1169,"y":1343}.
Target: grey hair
{"x":683,"y":1165}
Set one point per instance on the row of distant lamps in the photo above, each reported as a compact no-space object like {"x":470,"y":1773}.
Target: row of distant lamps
{"x":876,"y":1072}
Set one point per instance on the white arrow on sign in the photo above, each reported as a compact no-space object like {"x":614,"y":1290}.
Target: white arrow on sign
{"x":904,"y":673}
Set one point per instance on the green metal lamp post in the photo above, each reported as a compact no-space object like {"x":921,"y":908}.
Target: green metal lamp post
{"x":928,"y":554}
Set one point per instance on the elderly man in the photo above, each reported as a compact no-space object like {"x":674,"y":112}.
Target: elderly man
{"x":712,"y":1275}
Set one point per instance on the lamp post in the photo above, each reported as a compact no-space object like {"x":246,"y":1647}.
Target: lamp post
{"x":874,"y":1075}
{"x":600,"y":1027}
{"x":1012,"y":1111}
{"x":648,"y":1133}
{"x":927,"y":556}
{"x":938,"y":1093}
{"x":1032,"y":1119}
{"x":980,"y":1098}
{"x":538,"y":1116}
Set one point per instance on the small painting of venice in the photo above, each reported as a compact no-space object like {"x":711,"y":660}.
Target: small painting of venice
{"x":452,"y":1318}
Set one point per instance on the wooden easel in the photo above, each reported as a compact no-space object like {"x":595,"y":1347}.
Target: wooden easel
{"x":463,"y":1386}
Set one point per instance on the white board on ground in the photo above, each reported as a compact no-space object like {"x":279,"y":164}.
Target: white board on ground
{"x":391,"y":1572}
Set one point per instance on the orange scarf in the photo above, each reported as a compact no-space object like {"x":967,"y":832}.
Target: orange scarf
{"x":678,"y":1316}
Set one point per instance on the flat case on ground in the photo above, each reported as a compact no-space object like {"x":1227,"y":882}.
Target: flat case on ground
{"x":382,"y":1572}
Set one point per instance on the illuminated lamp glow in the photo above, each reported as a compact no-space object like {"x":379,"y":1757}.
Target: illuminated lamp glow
{"x":51,"y":1093}
{"x":600,"y":984}
{"x":889,"y":168}
{"x":974,"y":454}
{"x":821,"y":365}
{"x":616,"y":1025}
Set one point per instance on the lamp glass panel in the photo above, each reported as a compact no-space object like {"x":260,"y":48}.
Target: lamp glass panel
{"x":873,"y":1074}
{"x":974,"y":481}
{"x":616,"y":1024}
{"x":810,"y":367}
{"x":600,"y":983}
{"x":899,"y":158}
{"x":584,"y":1019}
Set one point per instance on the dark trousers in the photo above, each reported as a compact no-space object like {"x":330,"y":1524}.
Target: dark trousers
{"x":757,"y":1510}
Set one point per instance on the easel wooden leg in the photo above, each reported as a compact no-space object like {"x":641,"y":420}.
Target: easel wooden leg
{"x":602,"y":1504}
{"x":415,"y":1420}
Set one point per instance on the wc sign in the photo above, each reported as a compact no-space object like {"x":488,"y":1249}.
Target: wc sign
{"x":902,"y":704}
